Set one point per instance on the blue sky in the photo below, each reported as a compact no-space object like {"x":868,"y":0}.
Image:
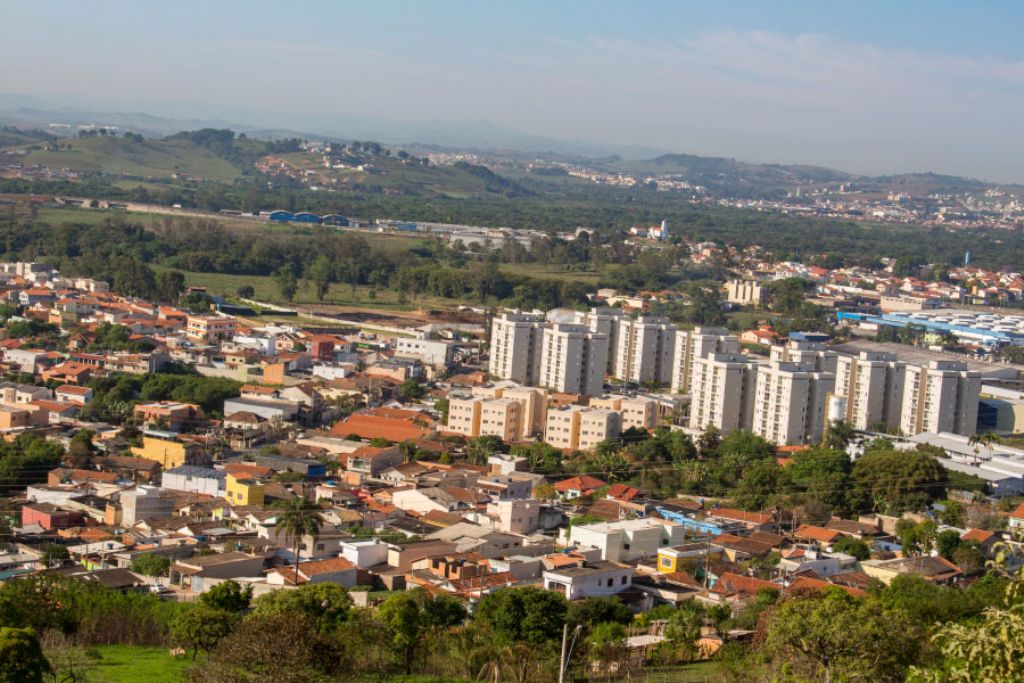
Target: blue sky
{"x":872,"y":87}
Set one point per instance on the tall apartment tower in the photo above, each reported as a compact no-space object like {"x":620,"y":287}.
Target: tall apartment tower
{"x":871,"y":384}
{"x":515,"y":347}
{"x":812,"y":355}
{"x":691,"y":345}
{"x":573,"y":359}
{"x":790,"y":401}
{"x":940,"y":397}
{"x":722,"y":387}
{"x":605,"y":320}
{"x":644,"y":350}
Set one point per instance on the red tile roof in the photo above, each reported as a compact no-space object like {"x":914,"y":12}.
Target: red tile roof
{"x":583,"y":484}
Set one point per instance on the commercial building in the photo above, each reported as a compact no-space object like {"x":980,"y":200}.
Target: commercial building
{"x":790,"y":401}
{"x":940,"y":397}
{"x":691,"y":345}
{"x":870,"y":386}
{"x":626,"y":540}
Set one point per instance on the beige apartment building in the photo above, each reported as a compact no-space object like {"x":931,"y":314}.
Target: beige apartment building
{"x":745,"y":292}
{"x":789,"y":403}
{"x":722,"y":390}
{"x":644,"y":351}
{"x":515,"y":347}
{"x":577,"y":427}
{"x":511,"y":413}
{"x":634,"y":411}
{"x":691,"y":345}
{"x":573,"y":359}
{"x":940,"y":397}
{"x":871,"y":387}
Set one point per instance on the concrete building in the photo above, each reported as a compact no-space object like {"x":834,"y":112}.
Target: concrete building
{"x":626,"y":540}
{"x":634,"y":411}
{"x":514,"y":413}
{"x":145,"y":502}
{"x":519,"y":516}
{"x":691,"y":345}
{"x":575,"y":427}
{"x":722,"y":388}
{"x":194,"y":480}
{"x":593,"y":579}
{"x":434,"y":352}
{"x":870,"y":385}
{"x":515,"y":347}
{"x":745,"y":292}
{"x":210,"y":329}
{"x":940,"y":397}
{"x":503,"y":418}
{"x":811,"y":355}
{"x":644,"y":350}
{"x":605,"y":321}
{"x":573,"y":359}
{"x":789,"y":403}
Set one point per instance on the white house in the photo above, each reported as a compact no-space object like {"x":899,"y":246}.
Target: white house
{"x":593,"y":579}
{"x":626,"y":540}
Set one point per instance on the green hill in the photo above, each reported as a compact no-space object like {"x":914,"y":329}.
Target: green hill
{"x":145,"y":159}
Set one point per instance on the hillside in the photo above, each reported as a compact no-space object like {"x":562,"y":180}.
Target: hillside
{"x":157,"y":159}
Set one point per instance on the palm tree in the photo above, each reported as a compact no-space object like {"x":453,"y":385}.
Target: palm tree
{"x":986,"y":440}
{"x":300,"y":517}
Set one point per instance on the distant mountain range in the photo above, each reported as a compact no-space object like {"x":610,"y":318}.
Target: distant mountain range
{"x":482,"y":136}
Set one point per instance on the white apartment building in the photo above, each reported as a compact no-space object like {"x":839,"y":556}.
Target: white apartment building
{"x":577,"y":427}
{"x":871,"y":387}
{"x":605,"y":321}
{"x":644,"y":350}
{"x":789,"y":403}
{"x":700,"y":342}
{"x":745,"y":292}
{"x":635,"y":411}
{"x":515,"y":347}
{"x":722,"y":390}
{"x":810,"y":355}
{"x":573,"y":359}
{"x":940,"y":397}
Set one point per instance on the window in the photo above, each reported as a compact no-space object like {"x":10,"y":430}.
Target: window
{"x":623,"y":580}
{"x":666,"y":562}
{"x":611,"y":582}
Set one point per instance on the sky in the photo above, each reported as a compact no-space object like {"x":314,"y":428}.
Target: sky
{"x":867,"y":87}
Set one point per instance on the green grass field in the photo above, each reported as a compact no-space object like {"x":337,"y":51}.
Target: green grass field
{"x":128,"y":664}
{"x":148,"y":159}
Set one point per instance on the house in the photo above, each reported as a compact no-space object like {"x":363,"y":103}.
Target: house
{"x":169,"y":415}
{"x":1016,"y":518}
{"x":626,"y":540}
{"x":371,"y":461}
{"x":753,"y":521}
{"x":244,"y":491}
{"x":593,"y":579}
{"x":200,"y":572}
{"x":816,"y":534}
{"x":143,"y":503}
{"x":49,"y":516}
{"x":336,"y":570}
{"x":69,"y":393}
{"x":169,"y":450}
{"x":578,"y":486}
{"x":984,"y":538}
{"x":936,"y":570}
{"x":69,"y":372}
{"x":376,"y":426}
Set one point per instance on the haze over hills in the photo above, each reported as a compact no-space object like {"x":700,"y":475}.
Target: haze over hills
{"x":479,"y":136}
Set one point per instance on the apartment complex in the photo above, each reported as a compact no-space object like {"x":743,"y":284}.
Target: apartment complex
{"x":581,"y":428}
{"x":745,"y":292}
{"x":573,"y":359}
{"x":940,"y":397}
{"x":789,"y":402}
{"x":691,"y":345}
{"x":511,"y":413}
{"x":722,"y":387}
{"x":635,"y":411}
{"x":515,"y":347}
{"x":644,"y":350}
{"x":870,"y":385}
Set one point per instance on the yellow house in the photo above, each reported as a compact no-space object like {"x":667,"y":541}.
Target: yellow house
{"x":242,"y":491}
{"x":168,"y":452}
{"x":682,"y":558}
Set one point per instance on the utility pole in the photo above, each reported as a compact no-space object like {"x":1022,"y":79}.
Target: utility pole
{"x":565,"y":646}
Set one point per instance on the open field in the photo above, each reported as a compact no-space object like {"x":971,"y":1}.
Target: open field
{"x":148,"y":159}
{"x":128,"y":664}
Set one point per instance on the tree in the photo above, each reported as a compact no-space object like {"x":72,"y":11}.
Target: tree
{"x":531,"y":615}
{"x":151,"y":564}
{"x":411,"y":390}
{"x":760,"y":481}
{"x":229,"y":596}
{"x":607,"y":644}
{"x":170,"y":284}
{"x":946,"y":543}
{"x":327,"y":605}
{"x":917,"y":539}
{"x":986,"y":440}
{"x":838,"y":434}
{"x":21,"y":657}
{"x":480,"y":448}
{"x":321,"y":274}
{"x":300,"y":517}
{"x":855,"y":547}
{"x":246,"y":292}
{"x":404,"y":620}
{"x":591,"y":611}
{"x":287,"y":284}
{"x":834,"y":636}
{"x":896,"y":481}
{"x":55,"y":555}
{"x":199,"y":627}
{"x":708,"y":441}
